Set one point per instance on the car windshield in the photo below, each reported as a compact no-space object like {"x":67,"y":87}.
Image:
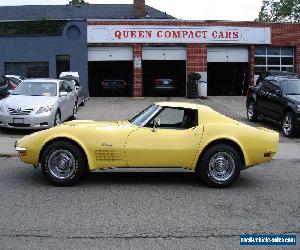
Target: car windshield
{"x":36,"y":89}
{"x":292,"y":87}
{"x":144,"y":116}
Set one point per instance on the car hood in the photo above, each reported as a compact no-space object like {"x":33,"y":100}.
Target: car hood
{"x":95,"y":124}
{"x":295,"y":98}
{"x":22,"y":101}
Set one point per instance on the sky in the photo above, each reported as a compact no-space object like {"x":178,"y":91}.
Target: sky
{"x":236,"y":10}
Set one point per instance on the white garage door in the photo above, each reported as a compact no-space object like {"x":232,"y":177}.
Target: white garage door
{"x":110,"y":54}
{"x":164,"y":53}
{"x":227,"y":54}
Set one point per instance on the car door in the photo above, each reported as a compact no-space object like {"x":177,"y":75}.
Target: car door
{"x":173,"y":143}
{"x":274,"y":101}
{"x":65,"y":101}
{"x":71,"y":97}
{"x":263,"y":96}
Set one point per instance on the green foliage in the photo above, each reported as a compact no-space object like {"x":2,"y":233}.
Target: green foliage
{"x":77,"y":2}
{"x":280,"y":11}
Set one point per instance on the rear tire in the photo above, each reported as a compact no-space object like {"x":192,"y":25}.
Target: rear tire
{"x":251,"y":112}
{"x":63,"y":163}
{"x":220,"y":165}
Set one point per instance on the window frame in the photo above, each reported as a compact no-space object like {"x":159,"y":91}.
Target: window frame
{"x":153,"y":117}
{"x":282,"y":54}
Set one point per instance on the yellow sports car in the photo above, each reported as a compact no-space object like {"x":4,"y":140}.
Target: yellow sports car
{"x":164,"y":135}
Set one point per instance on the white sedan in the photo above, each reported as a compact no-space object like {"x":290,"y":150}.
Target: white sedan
{"x":37,"y":104}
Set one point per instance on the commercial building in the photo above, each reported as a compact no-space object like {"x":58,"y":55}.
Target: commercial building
{"x":137,"y":43}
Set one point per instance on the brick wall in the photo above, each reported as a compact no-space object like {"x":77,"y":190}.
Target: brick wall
{"x":281,"y":35}
{"x":251,"y":64}
{"x":137,"y":71}
{"x":196,"y":58}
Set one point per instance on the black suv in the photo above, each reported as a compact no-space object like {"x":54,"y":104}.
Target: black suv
{"x":276,"y":98}
{"x":4,"y":86}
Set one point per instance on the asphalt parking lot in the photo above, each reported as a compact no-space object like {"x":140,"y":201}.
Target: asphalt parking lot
{"x":155,"y":210}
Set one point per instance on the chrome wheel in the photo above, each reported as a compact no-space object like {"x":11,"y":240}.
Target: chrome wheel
{"x":287,"y":125}
{"x":61,"y":164}
{"x":250,"y":111}
{"x":221,"y":166}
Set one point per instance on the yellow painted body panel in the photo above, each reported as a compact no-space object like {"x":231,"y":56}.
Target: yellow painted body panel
{"x":121,"y":144}
{"x":163,"y":148}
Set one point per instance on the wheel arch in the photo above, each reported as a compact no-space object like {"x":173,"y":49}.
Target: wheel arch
{"x":71,"y":140}
{"x":287,"y":109}
{"x":227,"y":141}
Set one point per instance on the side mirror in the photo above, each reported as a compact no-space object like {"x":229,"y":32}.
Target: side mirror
{"x":76,"y":87}
{"x":63,"y":93}
{"x":156,"y":123}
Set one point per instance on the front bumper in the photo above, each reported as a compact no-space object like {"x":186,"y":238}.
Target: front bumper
{"x":164,"y":88}
{"x":41,"y":121}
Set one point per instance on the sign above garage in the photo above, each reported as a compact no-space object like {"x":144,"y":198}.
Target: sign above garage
{"x":177,"y":34}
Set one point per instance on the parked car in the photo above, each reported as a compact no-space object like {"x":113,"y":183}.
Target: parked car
{"x":38,"y":103}
{"x":164,"y":84}
{"x":274,"y":73}
{"x":74,"y":81}
{"x":4,"y":86}
{"x":14,"y":81}
{"x":114,"y":84}
{"x":166,"y":134}
{"x":277,"y":99}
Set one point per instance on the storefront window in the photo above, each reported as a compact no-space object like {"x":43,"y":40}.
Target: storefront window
{"x":273,"y":58}
{"x":42,"y":27}
{"x":28,"y":69}
{"x":62,"y":64}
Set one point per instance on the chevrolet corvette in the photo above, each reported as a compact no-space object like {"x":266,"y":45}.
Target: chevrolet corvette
{"x":164,"y":135}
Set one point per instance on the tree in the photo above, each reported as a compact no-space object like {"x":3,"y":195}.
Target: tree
{"x":280,"y":11}
{"x":77,"y":2}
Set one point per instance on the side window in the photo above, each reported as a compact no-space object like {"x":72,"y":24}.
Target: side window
{"x":3,"y":80}
{"x":176,"y":118}
{"x":72,"y":84}
{"x":65,"y":87}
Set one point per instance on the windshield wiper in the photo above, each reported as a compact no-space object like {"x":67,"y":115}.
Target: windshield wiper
{"x":293,"y":94}
{"x":14,"y":94}
{"x":36,"y":95}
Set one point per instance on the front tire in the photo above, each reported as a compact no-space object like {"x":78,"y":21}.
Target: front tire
{"x":220,"y":165}
{"x":251,"y":112}
{"x":288,"y":125}
{"x":63,"y":163}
